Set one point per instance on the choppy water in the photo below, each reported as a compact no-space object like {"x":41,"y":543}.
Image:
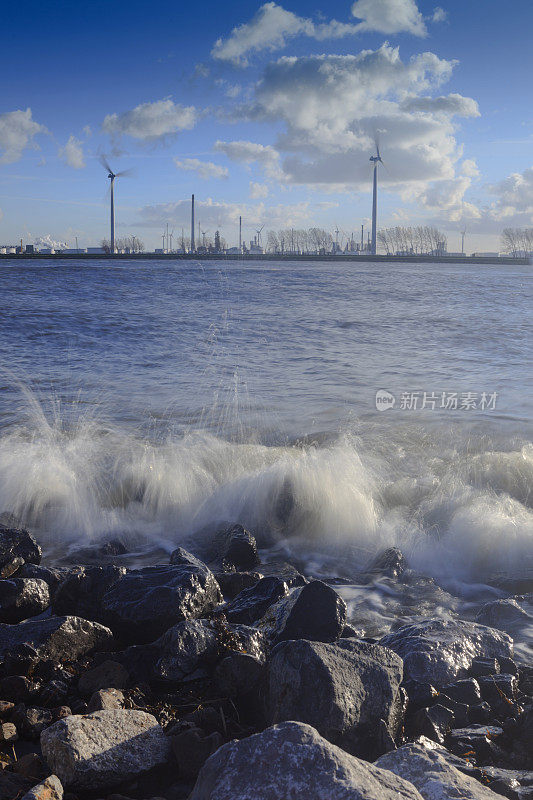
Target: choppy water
{"x":149,"y":400}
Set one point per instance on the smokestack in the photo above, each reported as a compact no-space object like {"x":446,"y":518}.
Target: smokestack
{"x":240,"y":234}
{"x":193,"y":248}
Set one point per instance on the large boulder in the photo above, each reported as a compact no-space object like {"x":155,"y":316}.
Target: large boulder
{"x":17,"y":547}
{"x":144,"y":603}
{"x":433,"y":774}
{"x":191,"y":649}
{"x":253,"y":603}
{"x":314,"y":611}
{"x":503,"y":615}
{"x":438,"y":651}
{"x":292,"y":760}
{"x":56,"y":638}
{"x":105,"y":748}
{"x":81,"y":590}
{"x":21,"y":598}
{"x":349,"y":691}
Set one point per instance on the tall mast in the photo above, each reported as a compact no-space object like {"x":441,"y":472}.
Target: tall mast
{"x":375,"y":210}
{"x":113,"y":214}
{"x":193,"y":248}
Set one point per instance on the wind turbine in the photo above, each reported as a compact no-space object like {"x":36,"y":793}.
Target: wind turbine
{"x":375,"y":160}
{"x":112,"y":175}
{"x":259,"y":235}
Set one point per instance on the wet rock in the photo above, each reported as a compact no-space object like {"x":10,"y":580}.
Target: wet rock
{"x":107,"y":675}
{"x":81,"y":591}
{"x":459,"y":710}
{"x":103,"y":749}
{"x":314,"y":611}
{"x":439,"y":651}
{"x":105,"y":699}
{"x":56,"y":638}
{"x":49,"y":789}
{"x":390,"y":563}
{"x":17,"y":546}
{"x":479,"y":714}
{"x":508,"y":666}
{"x":238,"y":674}
{"x":432,"y":775}
{"x":282,"y":569}
{"x":237,"y":548}
{"x":478,"y":742}
{"x":349,"y":632}
{"x":192,"y":748}
{"x":21,"y":598}
{"x":343,"y":689}
{"x":52,"y":577}
{"x":463,"y":691}
{"x":503,"y":614}
{"x":144,"y":603}
{"x":493,"y":687}
{"x":191,"y":649}
{"x":483,"y":666}
{"x":16,"y":688}
{"x":232,"y":583}
{"x":433,"y":722}
{"x":292,"y":760}
{"x":253,"y":603}
{"x":421,"y":695}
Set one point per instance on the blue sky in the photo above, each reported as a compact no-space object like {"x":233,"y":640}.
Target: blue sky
{"x":266,"y":110}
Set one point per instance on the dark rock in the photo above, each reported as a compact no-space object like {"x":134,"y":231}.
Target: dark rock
{"x":236,"y":547}
{"x":81,"y":591}
{"x":30,"y":766}
{"x":56,"y":638}
{"x":349,"y":632}
{"x":107,"y":675}
{"x":144,"y":603}
{"x":282,"y":569}
{"x":238,"y":674}
{"x":52,"y":577}
{"x":390,"y":563}
{"x":17,"y":545}
{"x":478,"y":741}
{"x":192,"y":748}
{"x":479,"y":714}
{"x":503,"y":614}
{"x":191,"y":649}
{"x":105,"y":699}
{"x":342,"y":689}
{"x":433,"y":722}
{"x":438,"y":651}
{"x":16,"y":688}
{"x":53,"y":692}
{"x":314,"y":611}
{"x":421,"y":695}
{"x":5,"y":709}
{"x":508,"y":666}
{"x":464,"y":691}
{"x":232,"y":583}
{"x":483,"y":666}
{"x":292,"y":760}
{"x":460,"y":711}
{"x":253,"y":603}
{"x":12,"y":785}
{"x":21,"y":598}
{"x":493,"y":687}
{"x":31,"y":722}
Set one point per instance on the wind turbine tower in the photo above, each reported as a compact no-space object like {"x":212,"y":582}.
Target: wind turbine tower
{"x":192,"y":225}
{"x":375,"y":160}
{"x":112,"y":175}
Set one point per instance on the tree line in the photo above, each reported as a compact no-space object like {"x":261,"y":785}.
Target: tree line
{"x":418,"y":240}
{"x":517,"y":241}
{"x":127,"y":244}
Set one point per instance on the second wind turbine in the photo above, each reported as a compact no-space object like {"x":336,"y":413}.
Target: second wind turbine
{"x":375,"y":160}
{"x":112,"y":175}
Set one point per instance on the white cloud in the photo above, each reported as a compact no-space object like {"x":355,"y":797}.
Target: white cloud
{"x":251,"y":152}
{"x":72,"y":153}
{"x":218,"y":214}
{"x":151,"y":121}
{"x":514,"y":197}
{"x":439,"y":15}
{"x":449,"y":105}
{"x":205,"y":169}
{"x":258,"y":191}
{"x":17,"y":132}
{"x":389,"y":16}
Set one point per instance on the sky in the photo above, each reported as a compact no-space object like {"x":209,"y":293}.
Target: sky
{"x":265,"y":110}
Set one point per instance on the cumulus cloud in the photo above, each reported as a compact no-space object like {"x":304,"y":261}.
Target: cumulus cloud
{"x":151,"y":121}
{"x":220,"y":214}
{"x":389,"y":16}
{"x":205,"y":169}
{"x":17,"y":133}
{"x":439,"y":15}
{"x":514,"y":197}
{"x":72,"y":153}
{"x":251,"y":152}
{"x":258,"y":191}
{"x":449,"y":105}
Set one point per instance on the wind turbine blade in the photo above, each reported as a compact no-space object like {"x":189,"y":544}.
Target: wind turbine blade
{"x":105,"y":163}
{"x":124,"y":173}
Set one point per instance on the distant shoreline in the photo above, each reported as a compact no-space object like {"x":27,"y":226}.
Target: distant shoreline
{"x":505,"y":260}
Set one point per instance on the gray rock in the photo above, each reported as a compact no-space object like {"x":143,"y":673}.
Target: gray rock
{"x":314,"y":611}
{"x":433,"y":722}
{"x":105,"y":699}
{"x":292,"y":760}
{"x":144,"y":603}
{"x":348,"y":691}
{"x":191,"y":748}
{"x":253,"y":603}
{"x":17,"y":547}
{"x":433,"y":776}
{"x":49,"y":789}
{"x":503,"y":615}
{"x":52,"y":577}
{"x":107,"y":675}
{"x":437,"y":651}
{"x":56,"y":638}
{"x":102,"y":749}
{"x":21,"y":598}
{"x":190,"y":649}
{"x":463,"y":691}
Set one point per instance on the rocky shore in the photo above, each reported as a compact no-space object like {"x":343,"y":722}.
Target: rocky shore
{"x":224,"y":678}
